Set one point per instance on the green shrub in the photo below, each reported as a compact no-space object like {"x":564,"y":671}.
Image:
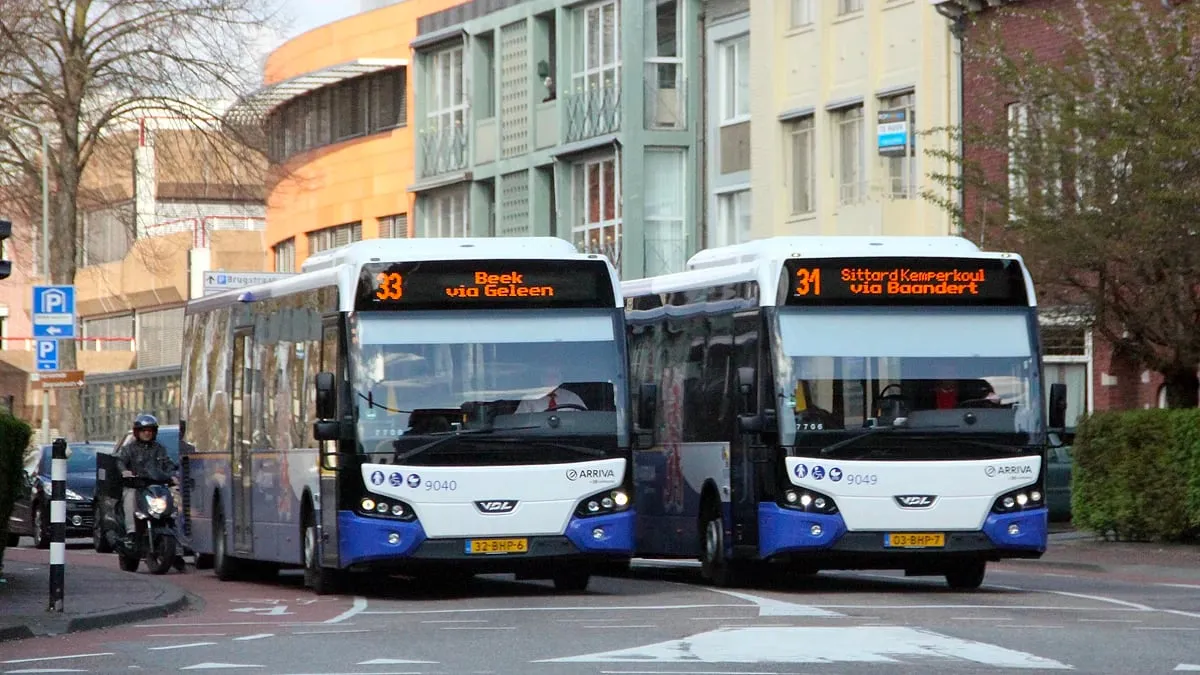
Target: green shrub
{"x":1137,"y":474}
{"x":14,"y":441}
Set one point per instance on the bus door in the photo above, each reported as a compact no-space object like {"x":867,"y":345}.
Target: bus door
{"x":746,"y":448}
{"x":242,"y":462}
{"x":328,"y":507}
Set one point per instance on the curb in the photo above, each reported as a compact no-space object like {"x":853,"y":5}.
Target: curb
{"x":175,"y":600}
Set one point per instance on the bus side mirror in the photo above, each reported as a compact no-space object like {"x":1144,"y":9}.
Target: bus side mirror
{"x":1058,"y":407}
{"x":326,"y":403}
{"x":327,"y":430}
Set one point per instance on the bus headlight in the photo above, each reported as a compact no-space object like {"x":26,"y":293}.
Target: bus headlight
{"x":1029,"y":497}
{"x":386,"y":507}
{"x":601,"y":503}
{"x":800,"y":499}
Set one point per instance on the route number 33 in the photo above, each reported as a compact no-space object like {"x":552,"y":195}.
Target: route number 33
{"x":391,"y":286}
{"x":808,"y":282}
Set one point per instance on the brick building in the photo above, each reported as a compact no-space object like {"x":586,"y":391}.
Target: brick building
{"x":1097,"y":375}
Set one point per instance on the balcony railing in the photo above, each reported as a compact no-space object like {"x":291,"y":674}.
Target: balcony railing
{"x":593,"y":111}
{"x":443,"y":150}
{"x":609,"y":247}
{"x":203,"y":226}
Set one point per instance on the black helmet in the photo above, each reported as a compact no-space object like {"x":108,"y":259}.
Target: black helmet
{"x":146,"y":422}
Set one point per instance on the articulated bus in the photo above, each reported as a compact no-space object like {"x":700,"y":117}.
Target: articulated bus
{"x":841,"y":403}
{"x":432,"y":407}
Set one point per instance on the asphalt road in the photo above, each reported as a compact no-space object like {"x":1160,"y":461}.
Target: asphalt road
{"x":659,"y":620}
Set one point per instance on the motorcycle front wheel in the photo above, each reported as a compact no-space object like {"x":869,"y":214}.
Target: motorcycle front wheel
{"x":161,"y":555}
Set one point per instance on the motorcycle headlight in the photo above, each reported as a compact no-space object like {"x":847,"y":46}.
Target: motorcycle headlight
{"x":156,"y":505}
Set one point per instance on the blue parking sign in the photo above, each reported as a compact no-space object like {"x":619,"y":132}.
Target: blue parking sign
{"x":47,"y":355}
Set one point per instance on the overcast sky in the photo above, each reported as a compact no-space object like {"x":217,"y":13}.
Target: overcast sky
{"x":308,"y":14}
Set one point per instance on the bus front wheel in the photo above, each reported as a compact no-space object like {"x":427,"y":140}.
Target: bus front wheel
{"x":572,"y":581}
{"x":322,"y":580}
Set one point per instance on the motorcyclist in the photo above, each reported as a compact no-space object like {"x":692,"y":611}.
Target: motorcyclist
{"x":144,"y":456}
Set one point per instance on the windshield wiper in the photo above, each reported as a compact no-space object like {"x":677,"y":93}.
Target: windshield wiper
{"x":369,"y":397}
{"x":830,"y":449}
{"x":582,"y":450}
{"x":451,"y":435}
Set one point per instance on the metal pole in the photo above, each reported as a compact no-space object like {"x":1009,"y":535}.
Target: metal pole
{"x":45,"y":258}
{"x":58,"y":523}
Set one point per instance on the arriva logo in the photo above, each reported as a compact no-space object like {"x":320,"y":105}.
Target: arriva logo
{"x":1010,"y":470}
{"x":497,"y":506}
{"x":585,"y":474}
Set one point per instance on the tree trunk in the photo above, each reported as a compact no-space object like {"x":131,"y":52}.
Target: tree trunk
{"x":63,"y":257}
{"x":1183,"y":388}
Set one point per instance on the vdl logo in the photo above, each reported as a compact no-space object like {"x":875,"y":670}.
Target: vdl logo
{"x":915,"y":501}
{"x":499,"y":506}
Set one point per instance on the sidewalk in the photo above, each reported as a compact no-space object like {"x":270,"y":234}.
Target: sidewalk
{"x":94,"y":597}
{"x":1084,"y":551}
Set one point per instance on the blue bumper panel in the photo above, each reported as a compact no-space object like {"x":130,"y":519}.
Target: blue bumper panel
{"x":366,"y":539}
{"x":782,"y":530}
{"x":1033,"y":528}
{"x":617,"y":537}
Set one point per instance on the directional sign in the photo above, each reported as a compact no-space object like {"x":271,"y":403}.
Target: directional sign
{"x":219,"y":282}
{"x":47,"y":354}
{"x":62,"y":379}
{"x":54,"y":312}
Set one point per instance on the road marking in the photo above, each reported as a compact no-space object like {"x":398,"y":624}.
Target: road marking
{"x":823,"y":644}
{"x":47,"y":670}
{"x":980,"y":618}
{"x":256,"y":636}
{"x":1191,"y":628}
{"x":397,"y":672}
{"x":235,"y":623}
{"x":686,"y":672}
{"x":275,"y":610}
{"x":1055,"y":608}
{"x":58,"y":658}
{"x":1113,"y":620}
{"x":1187,"y":666}
{"x":190,"y":644}
{"x":331,"y":632}
{"x":465,"y":620}
{"x":1101,"y":598}
{"x":1023,"y":626}
{"x":587,"y":620}
{"x":389,"y":662}
{"x":647,"y":625}
{"x":1180,"y":612}
{"x":218,"y":666}
{"x":773,"y":607}
{"x":179,"y":635}
{"x":1193,"y":586}
{"x":468,"y":610}
{"x":479,"y":627}
{"x":360,"y":606}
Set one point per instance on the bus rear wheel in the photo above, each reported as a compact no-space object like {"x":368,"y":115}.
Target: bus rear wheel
{"x":968,"y":576}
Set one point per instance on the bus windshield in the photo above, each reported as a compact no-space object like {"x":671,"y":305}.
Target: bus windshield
{"x":917,"y":372}
{"x":490,"y":387}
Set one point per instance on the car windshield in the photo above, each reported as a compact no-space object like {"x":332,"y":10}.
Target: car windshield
{"x":489,"y":383}
{"x":82,"y":459}
{"x":917,"y":372}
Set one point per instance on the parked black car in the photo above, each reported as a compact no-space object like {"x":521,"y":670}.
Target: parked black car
{"x":31,"y":512}
{"x":169,"y":437}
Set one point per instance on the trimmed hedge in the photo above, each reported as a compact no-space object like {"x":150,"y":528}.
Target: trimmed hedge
{"x":1137,"y":475}
{"x":14,"y":442}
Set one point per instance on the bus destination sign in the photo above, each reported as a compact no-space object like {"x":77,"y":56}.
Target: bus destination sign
{"x":485,"y":284}
{"x":903,"y":281}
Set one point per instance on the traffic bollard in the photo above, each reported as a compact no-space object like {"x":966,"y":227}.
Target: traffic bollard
{"x":58,"y":523}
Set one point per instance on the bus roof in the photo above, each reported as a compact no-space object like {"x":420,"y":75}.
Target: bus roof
{"x":762,"y":261}
{"x":340,"y":266}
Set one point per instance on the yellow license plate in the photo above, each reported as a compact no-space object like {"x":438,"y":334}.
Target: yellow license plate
{"x":497,"y":546}
{"x":916,"y":540}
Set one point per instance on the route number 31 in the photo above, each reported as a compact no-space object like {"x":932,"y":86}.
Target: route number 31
{"x":808,"y":282}
{"x":391,"y":286}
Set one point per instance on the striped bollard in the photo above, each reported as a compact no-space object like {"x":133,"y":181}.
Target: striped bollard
{"x":58,"y":523}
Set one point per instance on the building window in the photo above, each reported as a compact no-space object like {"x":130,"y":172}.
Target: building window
{"x":447,"y":107}
{"x":666,"y":237}
{"x":362,"y":105}
{"x":733,"y":219}
{"x":285,"y":255}
{"x":850,"y":150}
{"x":800,"y":13}
{"x":902,"y":169}
{"x":735,"y":80}
{"x":593,"y":103}
{"x":334,"y":237}
{"x":118,"y":329}
{"x":159,"y":335}
{"x":849,"y":6}
{"x":444,"y":213}
{"x":394,"y":227}
{"x":665,"y":100}
{"x":597,"y":223}
{"x":801,"y":151}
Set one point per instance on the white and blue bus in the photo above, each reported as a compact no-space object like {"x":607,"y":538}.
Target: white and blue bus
{"x":437,"y":407}
{"x":841,"y":403}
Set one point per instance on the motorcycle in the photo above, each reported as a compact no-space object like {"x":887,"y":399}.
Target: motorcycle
{"x":156,"y":538}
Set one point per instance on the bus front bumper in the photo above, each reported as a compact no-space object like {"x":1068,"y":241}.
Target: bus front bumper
{"x":824,"y":539}
{"x":379,"y":543}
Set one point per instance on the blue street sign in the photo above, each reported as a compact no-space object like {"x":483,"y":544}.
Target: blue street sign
{"x":54,"y":312}
{"x":47,"y":355}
